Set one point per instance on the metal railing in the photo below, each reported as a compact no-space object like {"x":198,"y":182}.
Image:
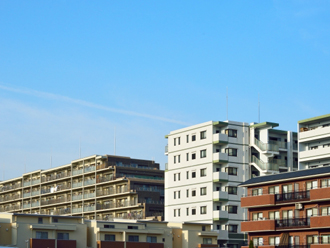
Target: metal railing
{"x":54,"y":201}
{"x":35,"y":181}
{"x":298,"y":195}
{"x":76,"y":197}
{"x":77,"y":184}
{"x":263,"y":165}
{"x":89,"y":169}
{"x":89,"y":182}
{"x":106,"y":178}
{"x":27,"y":194}
{"x":10,"y":187}
{"x":35,"y":204}
{"x":54,"y":177}
{"x":36,"y":192}
{"x":294,"y":222}
{"x":89,"y":208}
{"x":89,"y":195}
{"x":77,"y":172}
{"x":27,"y":205}
{"x":266,"y":146}
{"x":166,"y":148}
{"x":26,"y":183}
{"x":76,"y":210}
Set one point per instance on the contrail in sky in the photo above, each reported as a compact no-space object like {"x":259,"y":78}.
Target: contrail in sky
{"x":57,"y":97}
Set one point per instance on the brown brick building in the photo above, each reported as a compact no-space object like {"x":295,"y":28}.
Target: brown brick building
{"x":289,"y":209}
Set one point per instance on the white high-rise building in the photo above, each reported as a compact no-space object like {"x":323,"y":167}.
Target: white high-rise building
{"x":206,"y":162}
{"x":314,"y":142}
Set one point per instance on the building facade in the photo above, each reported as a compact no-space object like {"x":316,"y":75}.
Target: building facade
{"x":206,"y":162}
{"x":95,"y":187}
{"x":314,"y":142}
{"x":289,"y":209}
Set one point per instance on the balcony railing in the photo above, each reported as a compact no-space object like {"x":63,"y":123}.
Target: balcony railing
{"x":89,"y":195}
{"x":294,"y":222}
{"x":105,"y":178}
{"x":35,"y":181}
{"x":54,"y":177}
{"x":292,"y":246}
{"x":89,"y":208}
{"x":76,"y":184}
{"x":10,"y":187}
{"x":28,"y":205}
{"x":266,"y":146}
{"x":110,"y":205}
{"x":263,"y":165}
{"x":166,"y":148}
{"x":35,"y":204}
{"x":89,"y":182}
{"x":298,"y":195}
{"x":76,"y":197}
{"x":77,"y":172}
{"x":27,"y":194}
{"x":37,"y":192}
{"x":76,"y":210}
{"x":10,"y":198}
{"x":54,"y":201}
{"x":26,"y":183}
{"x":89,"y":169}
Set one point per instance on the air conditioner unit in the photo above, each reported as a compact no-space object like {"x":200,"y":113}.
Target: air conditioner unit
{"x":299,"y":206}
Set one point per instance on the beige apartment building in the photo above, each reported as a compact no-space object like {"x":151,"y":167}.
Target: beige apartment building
{"x":40,"y":231}
{"x":95,"y":187}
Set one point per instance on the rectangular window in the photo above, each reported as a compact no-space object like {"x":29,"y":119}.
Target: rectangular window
{"x":231,"y":171}
{"x":187,"y":211}
{"x":325,"y":183}
{"x":133,"y":238}
{"x":174,"y":212}
{"x":42,"y":235}
{"x":179,"y":194}
{"x":203,"y":153}
{"x":203,"y":172}
{"x":64,"y":236}
{"x":231,"y":209}
{"x":193,"y":192}
{"x":311,"y":185}
{"x":187,"y":193}
{"x":232,"y":190}
{"x":110,"y":237}
{"x":203,"y":210}
{"x":187,"y":156}
{"x":187,"y":138}
{"x":231,"y":133}
{"x":193,"y":174}
{"x":132,"y":227}
{"x":193,"y":137}
{"x":203,"y":191}
{"x":187,"y":174}
{"x":193,"y":156}
{"x":257,"y":216}
{"x":231,"y":152}
{"x":178,"y":140}
{"x":203,"y":135}
{"x":40,"y":220}
{"x":174,"y":177}
{"x":174,"y":159}
{"x":207,"y":241}
{"x":274,"y":190}
{"x":274,"y":215}
{"x":174,"y":196}
{"x":193,"y":211}
{"x":232,"y":228}
{"x":151,"y":239}
{"x":174,"y":141}
{"x":179,"y":158}
{"x":179,"y":212}
{"x":256,"y":192}
{"x":55,"y":220}
{"x":179,"y":176}
{"x":109,"y":226}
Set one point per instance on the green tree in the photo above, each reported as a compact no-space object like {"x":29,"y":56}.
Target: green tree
{"x":251,"y":244}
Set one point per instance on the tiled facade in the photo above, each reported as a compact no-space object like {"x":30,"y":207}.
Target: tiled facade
{"x":95,"y":187}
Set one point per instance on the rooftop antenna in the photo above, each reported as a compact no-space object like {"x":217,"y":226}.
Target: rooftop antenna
{"x":227,"y":103}
{"x":258,"y":108}
{"x":114,"y":141}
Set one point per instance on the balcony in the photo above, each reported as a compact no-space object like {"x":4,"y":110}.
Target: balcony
{"x":220,"y":138}
{"x":77,"y":172}
{"x":89,"y":169}
{"x":77,"y":184}
{"x":37,"y":243}
{"x":292,"y":196}
{"x":166,"y":149}
{"x":320,"y":193}
{"x":106,"y":178}
{"x":35,"y":204}
{"x":89,"y":208}
{"x":66,"y":243}
{"x":89,"y":182}
{"x":37,"y":192}
{"x":266,"y":147}
{"x":26,"y":183}
{"x":264,"y":166}
{"x":292,"y":223}
{"x":320,"y":221}
{"x":220,"y":176}
{"x":307,"y":134}
{"x":258,"y":200}
{"x":54,"y":201}
{"x":35,"y":181}
{"x":27,"y":205}
{"x":89,"y":195}
{"x":220,"y":157}
{"x":223,"y":235}
{"x":27,"y":194}
{"x":220,"y":196}
{"x":219,"y":215}
{"x":320,"y":153}
{"x":59,"y":175}
{"x":258,"y":225}
{"x":110,"y":244}
{"x":76,"y":210}
{"x":76,"y":197}
{"x":10,"y":187}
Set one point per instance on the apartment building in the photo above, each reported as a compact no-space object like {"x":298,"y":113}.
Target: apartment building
{"x":207,"y":162}
{"x":95,"y":187}
{"x":289,"y":209}
{"x":314,"y":142}
{"x":40,"y":231}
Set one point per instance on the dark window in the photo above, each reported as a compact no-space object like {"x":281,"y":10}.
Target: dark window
{"x":132,"y":227}
{"x":193,"y":156}
{"x":187,"y":156}
{"x":63,"y":236}
{"x":42,"y":235}
{"x":110,"y":237}
{"x":203,"y":135}
{"x":193,"y":137}
{"x":193,"y":193}
{"x":203,"y":210}
{"x":231,"y":171}
{"x":40,"y":220}
{"x":231,"y":152}
{"x":109,"y":226}
{"x":193,"y":211}
{"x":231,"y":209}
{"x":133,"y":238}
{"x":193,"y":174}
{"x":203,"y":153}
{"x":151,"y":239}
{"x":203,"y":228}
{"x":203,"y":191}
{"x":203,"y":172}
{"x":187,"y":138}
{"x":178,"y":140}
{"x":55,"y":220}
{"x":232,"y":228}
{"x":187,"y":174}
{"x":231,"y":133}
{"x":232,"y":190}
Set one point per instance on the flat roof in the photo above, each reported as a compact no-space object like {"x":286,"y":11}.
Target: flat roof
{"x":265,"y":124}
{"x":287,"y":176}
{"x":315,"y":119}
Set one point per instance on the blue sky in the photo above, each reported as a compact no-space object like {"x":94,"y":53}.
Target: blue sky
{"x":74,"y":71}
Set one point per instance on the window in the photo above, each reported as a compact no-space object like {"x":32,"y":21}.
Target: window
{"x":231,"y":133}
{"x":193,"y":192}
{"x":325,"y":183}
{"x":193,"y":174}
{"x":231,"y":152}
{"x":187,"y":138}
{"x":151,"y":239}
{"x":325,"y":239}
{"x":232,"y":228}
{"x":187,"y":156}
{"x":187,"y":174}
{"x":55,"y":220}
{"x":203,"y":210}
{"x":203,"y":172}
{"x":203,"y":191}
{"x":174,"y":141}
{"x":174,"y":159}
{"x":187,"y":193}
{"x":42,"y":235}
{"x":257,"y":192}
{"x":193,"y":211}
{"x":133,"y":238}
{"x":174,"y":196}
{"x":257,"y":216}
{"x":193,"y":156}
{"x":132,"y":227}
{"x":179,"y":158}
{"x":231,"y":209}
{"x":231,"y":171}
{"x":314,"y":147}
{"x":274,"y":241}
{"x":178,"y":140}
{"x":274,"y":190}
{"x":207,"y":241}
{"x":179,"y":194}
{"x":109,"y":226}
{"x":203,"y":135}
{"x":174,"y":177}
{"x":325,"y":211}
{"x":232,"y":190}
{"x":203,"y":228}
{"x":40,"y":220}
{"x":287,"y":214}
{"x":203,"y":153}
{"x":311,"y":185}
{"x":174,"y":212}
{"x":187,"y":211}
{"x":258,"y":241}
{"x":179,"y":212}
{"x":110,"y":237}
{"x":312,"y":239}
{"x":179,"y":176}
{"x":193,"y":137}
{"x":64,"y":236}
{"x":274,"y":215}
